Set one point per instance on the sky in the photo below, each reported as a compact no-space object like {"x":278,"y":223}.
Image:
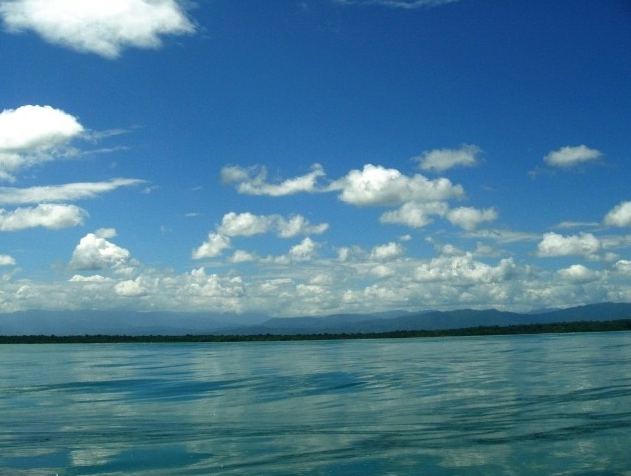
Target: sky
{"x":314,"y":157}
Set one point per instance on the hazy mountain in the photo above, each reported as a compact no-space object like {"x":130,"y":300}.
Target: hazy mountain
{"x":121,"y":322}
{"x":173,"y":323}
{"x":436,"y":320}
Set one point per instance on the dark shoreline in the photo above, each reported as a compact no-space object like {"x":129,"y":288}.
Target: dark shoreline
{"x":556,"y":328}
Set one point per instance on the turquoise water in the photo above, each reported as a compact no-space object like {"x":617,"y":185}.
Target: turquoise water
{"x":514,"y":405}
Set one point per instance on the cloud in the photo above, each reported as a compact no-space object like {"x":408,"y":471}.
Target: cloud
{"x":65,"y":192}
{"x":130,"y":288}
{"x":94,"y":26}
{"x":48,"y":215}
{"x":386,"y":252}
{"x":402,"y":4}
{"x":244,"y":224}
{"x":252,"y":181}
{"x":418,"y":215}
{"x":619,"y":216}
{"x":248,"y":224}
{"x":469,"y":218}
{"x":460,"y":269}
{"x":378,"y":186}
{"x":442,"y":159}
{"x":213,"y":247}
{"x":415,"y":214}
{"x":553,"y":245}
{"x":94,"y":252}
{"x":6,"y":260}
{"x":578,"y":274}
{"x":304,"y":251}
{"x":33,"y":134}
{"x":568,"y":156}
{"x":623,"y":267}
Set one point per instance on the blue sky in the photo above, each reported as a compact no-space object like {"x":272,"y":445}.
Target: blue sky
{"x":314,"y":157}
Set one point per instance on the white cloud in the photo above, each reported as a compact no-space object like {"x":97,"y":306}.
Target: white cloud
{"x":244,"y":224}
{"x":241,"y":256}
{"x":578,"y":274}
{"x":33,"y":134}
{"x":378,"y":186}
{"x":248,"y":224}
{"x":106,"y":233}
{"x":440,"y":160}
{"x":304,"y":251}
{"x":213,"y":247}
{"x":94,"y":26}
{"x":298,"y":225}
{"x":47,"y":215}
{"x":415,"y":214}
{"x":386,"y":252}
{"x":6,"y":260}
{"x":469,"y":218}
{"x":459,"y":269}
{"x":96,"y":278}
{"x":619,"y":216}
{"x":252,"y":181}
{"x":402,"y":4}
{"x":623,"y":267}
{"x":94,"y":252}
{"x":553,"y":244}
{"x":65,"y":192}
{"x":570,"y":156}
{"x":130,"y":288}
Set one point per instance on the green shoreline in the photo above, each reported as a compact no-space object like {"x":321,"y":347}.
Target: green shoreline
{"x":556,"y":328}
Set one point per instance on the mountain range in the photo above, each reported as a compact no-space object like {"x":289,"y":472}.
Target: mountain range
{"x":90,"y":322}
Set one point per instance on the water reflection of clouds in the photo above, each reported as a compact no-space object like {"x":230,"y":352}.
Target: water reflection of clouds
{"x":477,"y":403}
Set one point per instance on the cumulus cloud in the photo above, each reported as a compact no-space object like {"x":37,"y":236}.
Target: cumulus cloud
{"x":304,"y":251}
{"x":458,"y":269}
{"x":623,"y":267}
{"x":6,"y":260}
{"x":213,"y":247}
{"x":378,"y":186}
{"x":130,"y":288}
{"x":253,"y":181}
{"x":619,"y":216}
{"x":47,"y":215}
{"x":553,"y":245}
{"x":94,"y":252}
{"x":386,"y":252}
{"x":59,"y":193}
{"x":568,"y":156}
{"x":248,"y":224}
{"x":469,"y":218}
{"x":33,"y":134}
{"x":95,"y":26}
{"x":440,"y":160}
{"x":415,"y":214}
{"x":578,"y":274}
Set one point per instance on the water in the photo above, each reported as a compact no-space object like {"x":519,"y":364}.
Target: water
{"x":515,"y":405}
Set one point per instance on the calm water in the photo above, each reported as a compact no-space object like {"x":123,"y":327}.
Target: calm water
{"x":519,"y":405}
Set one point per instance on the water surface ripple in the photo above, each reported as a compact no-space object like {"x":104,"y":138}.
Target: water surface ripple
{"x":503,"y":405}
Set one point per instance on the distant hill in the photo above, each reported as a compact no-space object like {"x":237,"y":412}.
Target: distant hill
{"x":173,"y":323}
{"x":434,"y":320}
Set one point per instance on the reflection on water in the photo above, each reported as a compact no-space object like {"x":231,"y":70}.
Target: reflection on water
{"x":547,"y":404}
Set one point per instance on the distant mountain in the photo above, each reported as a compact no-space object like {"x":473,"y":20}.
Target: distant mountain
{"x":174,"y":323}
{"x":434,"y":320}
{"x":37,"y":322}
